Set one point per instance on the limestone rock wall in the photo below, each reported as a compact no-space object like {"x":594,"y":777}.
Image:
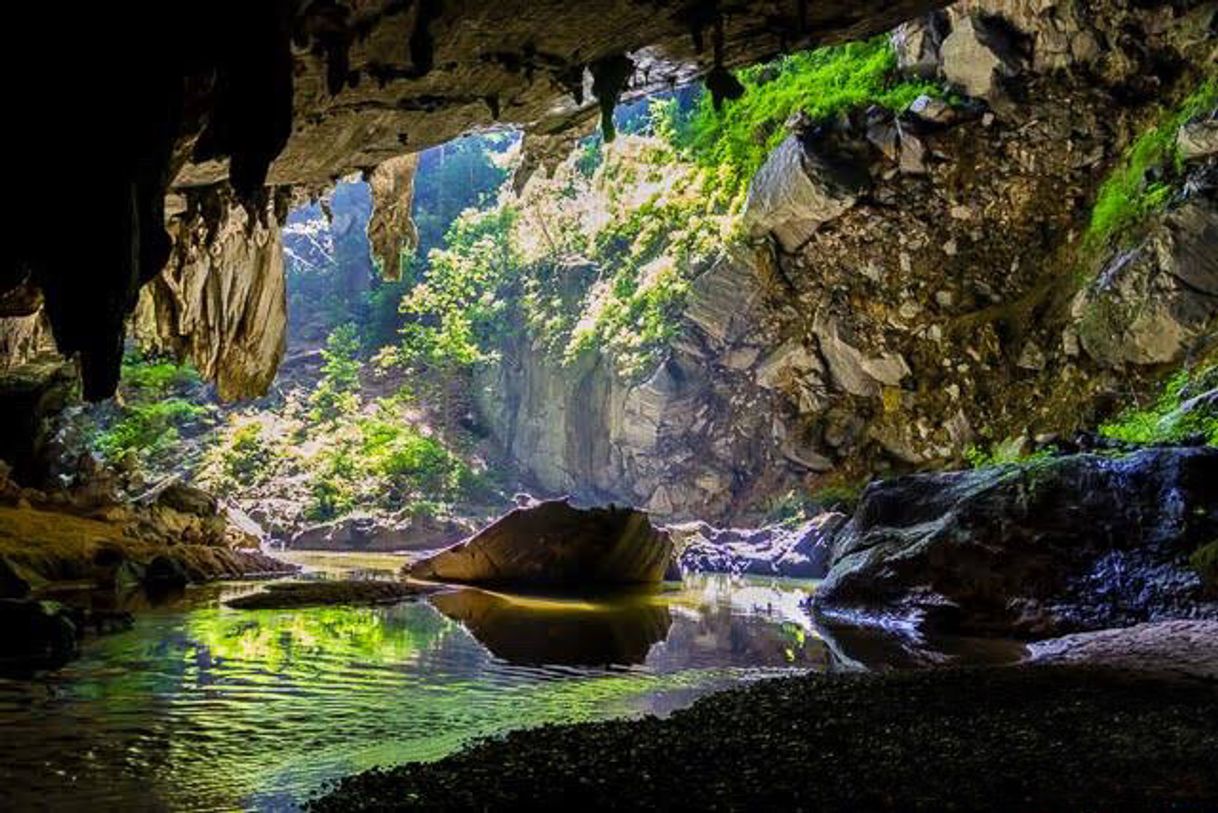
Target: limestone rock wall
{"x":698,"y":438}
{"x":221,"y":302}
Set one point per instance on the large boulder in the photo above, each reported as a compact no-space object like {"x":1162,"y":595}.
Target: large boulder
{"x":799,"y":552}
{"x":1042,"y":548}
{"x":1152,"y":304}
{"x":978,"y":55}
{"x":37,"y":634}
{"x":795,"y":191}
{"x":554,"y":544}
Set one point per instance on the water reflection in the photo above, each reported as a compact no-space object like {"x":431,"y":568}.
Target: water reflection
{"x":534,"y":630}
{"x":204,"y":707}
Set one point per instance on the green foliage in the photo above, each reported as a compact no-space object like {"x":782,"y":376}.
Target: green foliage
{"x":1146,"y":176}
{"x":336,"y":394}
{"x":591,"y":155}
{"x":735,"y":141}
{"x":144,"y":424}
{"x":410,"y":462}
{"x":149,"y":378}
{"x":1205,"y":561}
{"x":146,"y":430}
{"x":333,"y":488}
{"x":453,"y":177}
{"x":1012,"y":450}
{"x":1166,"y":420}
{"x":246,"y":458}
{"x":454,"y":310}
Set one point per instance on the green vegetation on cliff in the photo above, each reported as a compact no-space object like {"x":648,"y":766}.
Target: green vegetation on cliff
{"x":1186,"y":408}
{"x":733,"y":143}
{"x":1148,"y":174}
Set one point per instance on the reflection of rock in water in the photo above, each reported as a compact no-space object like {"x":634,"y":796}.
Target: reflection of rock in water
{"x":533,"y":633}
{"x":885,"y":649}
{"x":716,"y":636}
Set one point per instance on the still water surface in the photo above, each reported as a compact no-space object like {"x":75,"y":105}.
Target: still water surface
{"x":202,"y":707}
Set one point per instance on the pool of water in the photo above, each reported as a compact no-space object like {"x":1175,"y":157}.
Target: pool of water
{"x":203,"y":707}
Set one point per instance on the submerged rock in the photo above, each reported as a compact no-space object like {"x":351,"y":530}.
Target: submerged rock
{"x":1042,"y":548}
{"x":800,"y":552}
{"x":288,"y":595}
{"x":37,"y":634}
{"x":556,"y":544}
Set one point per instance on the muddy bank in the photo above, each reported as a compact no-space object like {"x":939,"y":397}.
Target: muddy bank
{"x":1019,"y":738}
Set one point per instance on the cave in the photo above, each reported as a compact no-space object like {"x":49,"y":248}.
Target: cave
{"x":623,"y":405}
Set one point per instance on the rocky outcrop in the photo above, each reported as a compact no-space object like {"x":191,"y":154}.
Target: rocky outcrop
{"x":553,"y":544}
{"x":391,"y":231}
{"x":1176,"y":649}
{"x":698,"y":438}
{"x":799,"y":551}
{"x":222,"y":300}
{"x":1156,"y":302}
{"x":171,"y":535}
{"x":1071,"y":543}
{"x":796,"y":190}
{"x":371,"y":533}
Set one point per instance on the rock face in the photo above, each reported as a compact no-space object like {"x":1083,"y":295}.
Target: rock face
{"x":1153,"y":303}
{"x":1044,"y":548}
{"x":795,"y":191}
{"x":222,"y":300}
{"x":799,"y":552}
{"x":905,"y":292}
{"x":1180,"y":649}
{"x":691,"y":441}
{"x":553,"y":544}
{"x":372,"y":534}
{"x":391,"y":230}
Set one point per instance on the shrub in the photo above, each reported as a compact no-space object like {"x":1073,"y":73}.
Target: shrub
{"x":247,"y":458}
{"x":736,"y":140}
{"x":146,"y":430}
{"x":336,"y":394}
{"x":1166,"y":420}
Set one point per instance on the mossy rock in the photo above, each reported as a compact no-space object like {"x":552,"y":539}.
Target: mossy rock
{"x":1205,"y":561}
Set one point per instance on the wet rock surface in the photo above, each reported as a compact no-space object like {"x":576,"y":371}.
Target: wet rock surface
{"x":1050,"y":738}
{"x":1078,"y":542}
{"x":1181,"y":649}
{"x":289,"y":595}
{"x":801,"y":551}
{"x":555,"y":544}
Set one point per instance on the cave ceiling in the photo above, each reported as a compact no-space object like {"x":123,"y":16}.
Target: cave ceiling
{"x":115,"y":106}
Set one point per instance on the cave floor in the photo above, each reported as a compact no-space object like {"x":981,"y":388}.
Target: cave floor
{"x":993,"y":738}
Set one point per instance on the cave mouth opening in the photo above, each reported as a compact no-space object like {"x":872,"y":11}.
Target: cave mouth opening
{"x":899,"y":344}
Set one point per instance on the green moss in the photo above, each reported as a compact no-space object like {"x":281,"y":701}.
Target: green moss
{"x":1009,"y":451}
{"x":736,"y":140}
{"x":1146,"y":177}
{"x":1166,"y":420}
{"x":1205,"y":561}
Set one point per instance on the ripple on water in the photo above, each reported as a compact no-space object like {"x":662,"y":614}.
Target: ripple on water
{"x":203,"y":707}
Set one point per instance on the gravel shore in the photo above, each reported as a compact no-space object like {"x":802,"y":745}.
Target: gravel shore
{"x":1014,"y":738}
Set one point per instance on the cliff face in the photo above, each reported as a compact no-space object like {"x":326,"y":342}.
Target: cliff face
{"x":912,"y":285}
{"x":696,"y":438}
